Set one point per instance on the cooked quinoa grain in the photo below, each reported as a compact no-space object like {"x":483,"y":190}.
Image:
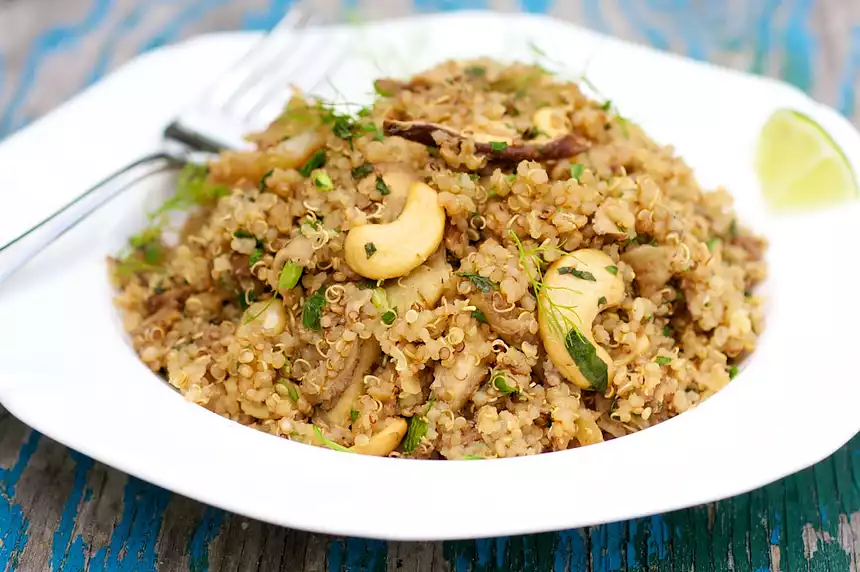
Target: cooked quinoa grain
{"x":479,"y":265}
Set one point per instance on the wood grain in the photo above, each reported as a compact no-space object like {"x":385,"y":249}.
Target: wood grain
{"x":60,"y":510}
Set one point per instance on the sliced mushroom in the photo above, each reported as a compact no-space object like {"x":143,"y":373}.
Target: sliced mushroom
{"x":338,"y":415}
{"x":506,"y":325}
{"x":455,"y":384}
{"x":562,"y":147}
{"x":652,"y":265}
{"x":423,"y":286}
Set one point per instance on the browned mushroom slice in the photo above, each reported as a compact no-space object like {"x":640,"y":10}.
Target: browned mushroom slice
{"x":507,"y":326}
{"x":559,"y":148}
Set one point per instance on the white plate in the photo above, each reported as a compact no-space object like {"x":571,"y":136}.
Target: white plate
{"x":66,"y":369}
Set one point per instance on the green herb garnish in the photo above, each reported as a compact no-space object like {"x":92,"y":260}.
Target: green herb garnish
{"x":294,"y":393}
{"x":362,"y":171}
{"x":353,"y":415}
{"x":479,"y":315}
{"x":329,"y":443}
{"x":483,"y":284}
{"x":312,"y":310}
{"x":290,"y":275}
{"x":498,"y":145}
{"x":380,"y":90}
{"x":733,"y":228}
{"x":585,"y":357}
{"x":382,"y":187}
{"x":601,"y":301}
{"x":712,"y":243}
{"x":471,"y":458}
{"x":476,"y":71}
{"x":369,"y":249}
{"x":733,"y":372}
{"x":581,"y":274}
{"x":242,"y":233}
{"x":667,"y":331}
{"x":576,"y":171}
{"x":255,"y":257}
{"x":316,"y":161}
{"x":663,"y":360}
{"x":414,"y":433}
{"x":501,"y":384}
{"x":607,"y":105}
{"x":388,"y":317}
{"x":612,"y":270}
{"x":263,"y":180}
{"x":322,"y":181}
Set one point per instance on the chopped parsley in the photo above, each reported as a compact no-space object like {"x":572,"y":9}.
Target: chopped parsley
{"x":246,"y":299}
{"x":476,"y":71}
{"x":581,"y":274}
{"x":584,"y":355}
{"x":369,"y":249}
{"x":667,"y":331}
{"x":362,"y":171}
{"x":414,"y":433}
{"x":312,"y":310}
{"x":353,"y":415}
{"x":663,"y":360}
{"x":500,"y":382}
{"x":382,"y":187}
{"x":733,"y":372}
{"x":290,"y":275}
{"x":242,"y":233}
{"x":255,"y":257}
{"x":712,"y":243}
{"x":263,"y":180}
{"x":322,"y":181}
{"x":601,"y":301}
{"x":612,"y":270}
{"x":479,"y":315}
{"x":576,"y":171}
{"x":483,"y":284}
{"x":316,"y":161}
{"x":388,"y":317}
{"x":607,"y":105}
{"x":498,"y":145}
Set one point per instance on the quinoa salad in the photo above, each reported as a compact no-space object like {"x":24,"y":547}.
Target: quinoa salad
{"x":485,"y":262}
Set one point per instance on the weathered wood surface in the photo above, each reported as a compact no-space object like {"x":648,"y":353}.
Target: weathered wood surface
{"x":60,"y":510}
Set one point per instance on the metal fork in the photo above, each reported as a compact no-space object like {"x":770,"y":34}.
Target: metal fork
{"x":236,"y":104}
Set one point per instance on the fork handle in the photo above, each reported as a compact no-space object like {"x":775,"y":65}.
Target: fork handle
{"x":20,"y":250}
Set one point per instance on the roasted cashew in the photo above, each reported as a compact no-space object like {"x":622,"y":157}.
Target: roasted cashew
{"x":384,"y":442}
{"x":381,"y":251}
{"x":576,"y":288}
{"x":270,"y":315}
{"x":551,"y":122}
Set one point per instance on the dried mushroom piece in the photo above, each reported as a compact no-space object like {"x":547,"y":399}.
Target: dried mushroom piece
{"x":561,"y":147}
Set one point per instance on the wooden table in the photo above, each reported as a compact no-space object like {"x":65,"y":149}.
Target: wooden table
{"x":59,"y":510}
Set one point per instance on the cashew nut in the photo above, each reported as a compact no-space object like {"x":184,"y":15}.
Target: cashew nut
{"x":269,"y":315}
{"x":552,"y":122}
{"x":384,"y":442}
{"x":576,"y":288}
{"x":381,"y":251}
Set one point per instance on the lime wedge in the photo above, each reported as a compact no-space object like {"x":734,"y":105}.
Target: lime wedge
{"x":800,"y":166}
